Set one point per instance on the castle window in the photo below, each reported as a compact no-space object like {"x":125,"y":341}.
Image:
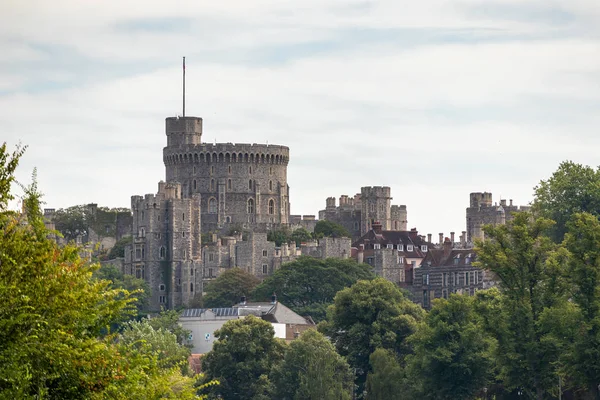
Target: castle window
{"x":270,"y":185}
{"x":161,"y":287}
{"x":194,"y":184}
{"x":179,"y":281}
{"x":228,"y":184}
{"x":372,"y":207}
{"x":264,"y":253}
{"x":210,"y":272}
{"x":212,"y":185}
{"x":212,"y":206}
{"x":270,"y":170}
{"x":192,"y":272}
{"x":191,"y":287}
{"x":162,"y":299}
{"x":140,"y":272}
{"x":250,"y":184}
{"x":212,"y":169}
{"x":143,"y":252}
{"x":162,"y":252}
{"x":158,"y":234}
{"x":250,"y":206}
{"x":183,"y":216}
{"x":265,"y":268}
{"x":142,"y":215}
{"x":355,"y":225}
{"x":250,"y":169}
{"x":210,"y":257}
{"x":229,"y":169}
{"x":271,"y":207}
{"x":381,"y":207}
{"x":182,"y":234}
{"x":194,"y":169}
{"x":228,"y":219}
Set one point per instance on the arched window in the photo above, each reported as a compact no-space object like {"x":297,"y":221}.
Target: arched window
{"x":162,"y":252}
{"x":250,"y":206}
{"x":212,"y":185}
{"x":271,"y":207}
{"x":212,"y":206}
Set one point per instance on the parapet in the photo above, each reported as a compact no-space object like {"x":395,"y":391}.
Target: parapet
{"x":479,"y":199}
{"x":379,"y":191}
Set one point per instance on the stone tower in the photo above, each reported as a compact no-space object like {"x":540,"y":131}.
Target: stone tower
{"x":166,"y":248}
{"x":239,"y":184}
{"x":376,"y":207}
{"x":399,"y":218}
{"x":481,"y":212}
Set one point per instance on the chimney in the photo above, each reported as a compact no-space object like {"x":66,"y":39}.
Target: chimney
{"x":452,"y":237}
{"x":413,"y":234}
{"x":510,"y":202}
{"x":377,"y":227}
{"x":447,"y":247}
{"x":441,"y":238}
{"x":243,"y":300}
{"x":503,"y":203}
{"x":429,"y":237}
{"x":274,"y":298}
{"x":464,"y":238}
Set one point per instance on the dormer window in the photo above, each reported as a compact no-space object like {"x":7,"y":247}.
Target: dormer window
{"x":376,"y":246}
{"x":409,"y":247}
{"x":400,"y":247}
{"x":423,"y":247}
{"x":390,"y":246}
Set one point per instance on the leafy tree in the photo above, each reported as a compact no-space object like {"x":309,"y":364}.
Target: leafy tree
{"x":312,"y":370}
{"x":118,"y":250}
{"x":300,"y":236}
{"x":387,"y":380}
{"x":370,"y":315}
{"x":143,"y":337}
{"x":452,"y":352}
{"x":72,"y":222}
{"x":279,"y":236}
{"x":572,"y":189}
{"x":582,"y":360}
{"x":8,"y":165}
{"x":53,"y":313}
{"x":241,"y":359}
{"x":168,"y":320}
{"x":130,"y":283}
{"x":528,"y":267}
{"x":308,"y":285}
{"x":330,"y":229}
{"x":227,"y":289}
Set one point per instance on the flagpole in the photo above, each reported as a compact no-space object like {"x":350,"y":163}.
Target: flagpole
{"x":184,"y":86}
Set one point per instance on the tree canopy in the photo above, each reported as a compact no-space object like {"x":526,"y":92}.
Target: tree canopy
{"x":308,"y":285}
{"x":325,"y":228}
{"x":228,"y":288}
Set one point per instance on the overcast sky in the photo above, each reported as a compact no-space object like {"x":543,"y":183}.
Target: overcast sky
{"x":434,"y":98}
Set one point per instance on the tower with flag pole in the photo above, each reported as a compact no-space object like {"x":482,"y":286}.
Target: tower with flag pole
{"x":183,"y":87}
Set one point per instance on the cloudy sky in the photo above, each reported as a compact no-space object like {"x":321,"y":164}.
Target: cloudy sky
{"x":435,"y":98}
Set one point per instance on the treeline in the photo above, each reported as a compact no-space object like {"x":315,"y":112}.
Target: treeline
{"x":535,"y":336}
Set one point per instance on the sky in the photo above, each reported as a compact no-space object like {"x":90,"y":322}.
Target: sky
{"x":435,"y":99}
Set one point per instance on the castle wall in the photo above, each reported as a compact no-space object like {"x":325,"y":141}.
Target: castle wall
{"x":481,"y":212}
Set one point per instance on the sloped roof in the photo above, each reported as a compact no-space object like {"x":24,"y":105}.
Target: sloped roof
{"x":395,"y":238}
{"x":436,"y":258}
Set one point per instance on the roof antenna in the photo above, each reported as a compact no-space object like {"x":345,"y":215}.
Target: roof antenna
{"x":183,"y":87}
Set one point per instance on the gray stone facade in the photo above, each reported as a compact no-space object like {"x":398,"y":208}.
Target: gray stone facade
{"x":481,"y":212}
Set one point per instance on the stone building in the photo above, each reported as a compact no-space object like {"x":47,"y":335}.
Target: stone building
{"x":446,"y":270}
{"x":392,"y":254}
{"x":358,"y":213}
{"x":481,"y":212}
{"x":239,"y":184}
{"x":166,"y":249}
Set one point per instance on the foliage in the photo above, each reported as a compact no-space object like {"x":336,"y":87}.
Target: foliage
{"x":452,"y":353}
{"x":168,"y":320}
{"x":572,"y":188}
{"x":370,"y":315}
{"x":227,"y":289}
{"x":582,"y":359}
{"x":81,"y":219}
{"x":312,"y":370}
{"x":528,"y":266}
{"x":118,"y":250}
{"x":241,"y":359}
{"x":284,"y":235}
{"x":133,"y":285}
{"x":387,"y":380}
{"x":8,"y":165}
{"x":300,"y":235}
{"x":308,"y":285}
{"x":325,"y":228}
{"x":144,"y":338}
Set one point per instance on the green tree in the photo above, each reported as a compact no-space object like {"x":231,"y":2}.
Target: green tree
{"x":387,"y":380}
{"x":143,"y":337}
{"x":582,"y":360}
{"x":8,"y":165}
{"x":300,"y":236}
{"x":370,"y":315}
{"x":227,"y":289}
{"x":118,"y":250}
{"x":241,"y":359}
{"x":452,"y":352}
{"x":312,"y":370}
{"x":129,"y":283}
{"x":528,"y":267}
{"x":325,"y":228}
{"x":72,"y":222}
{"x":279,"y":236}
{"x":572,"y":189}
{"x":308,"y":285}
{"x":53,"y":314}
{"x":168,"y":320}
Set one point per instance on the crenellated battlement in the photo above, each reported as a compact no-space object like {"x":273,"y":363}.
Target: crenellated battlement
{"x":226,"y":153}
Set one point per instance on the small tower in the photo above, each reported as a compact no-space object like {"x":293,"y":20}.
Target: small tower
{"x":375,"y":201}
